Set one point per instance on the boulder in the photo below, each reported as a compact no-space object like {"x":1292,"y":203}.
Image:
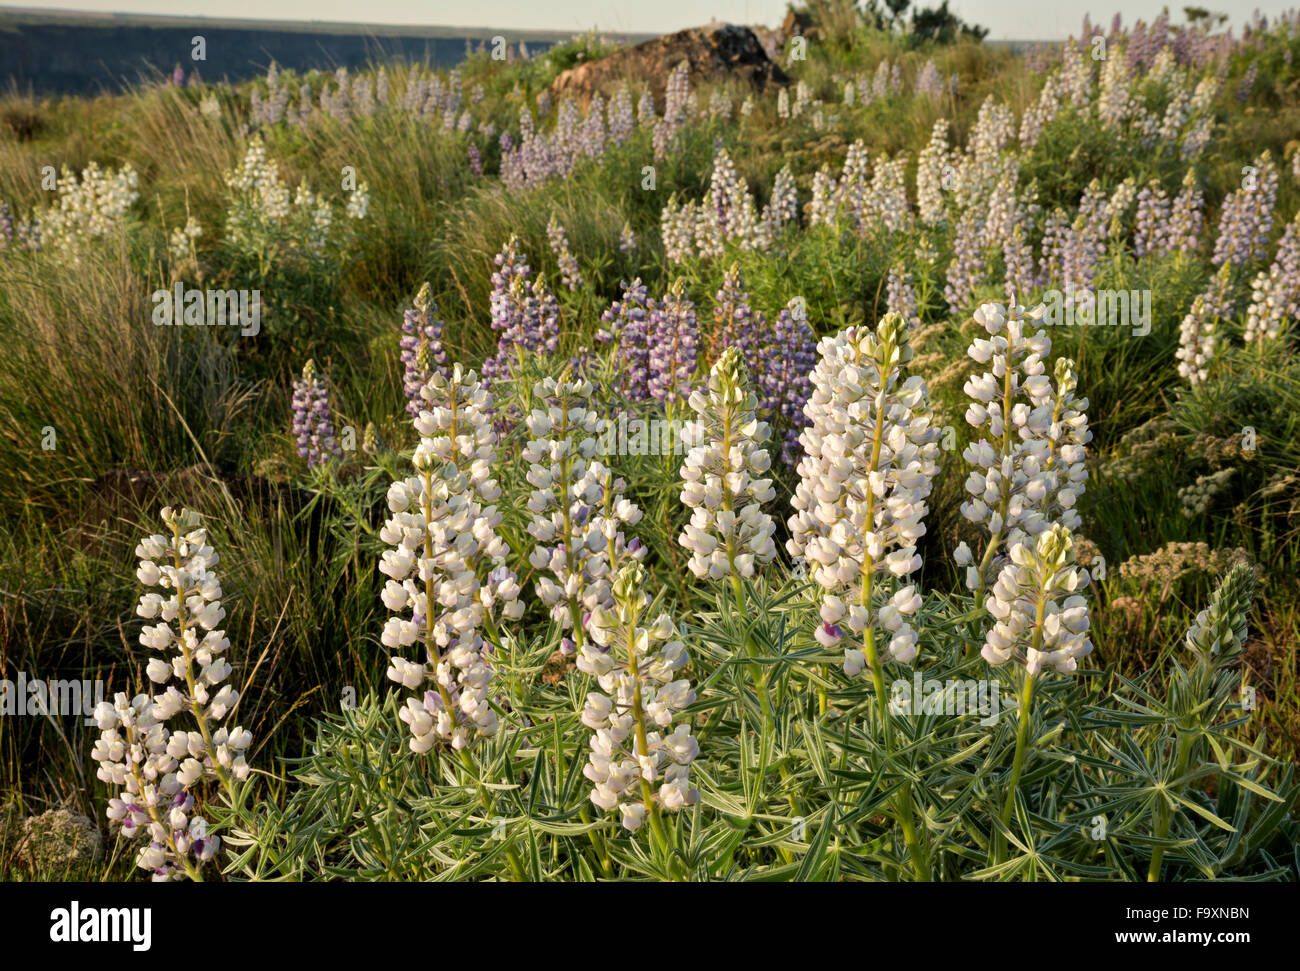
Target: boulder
{"x":713,"y":52}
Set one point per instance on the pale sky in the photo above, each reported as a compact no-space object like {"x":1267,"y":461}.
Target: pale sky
{"x":1007,"y":19}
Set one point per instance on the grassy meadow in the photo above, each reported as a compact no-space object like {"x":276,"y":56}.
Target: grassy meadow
{"x":106,"y":417}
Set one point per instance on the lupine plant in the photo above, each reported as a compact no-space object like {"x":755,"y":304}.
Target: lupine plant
{"x":421,"y":348}
{"x":268,"y":225}
{"x":447,"y":566}
{"x":157,"y":769}
{"x":93,"y":207}
{"x":313,"y":423}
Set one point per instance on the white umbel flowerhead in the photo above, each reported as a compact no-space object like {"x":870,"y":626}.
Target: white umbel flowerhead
{"x":729,"y":535}
{"x":447,"y":566}
{"x":154,"y":766}
{"x":639,"y":761}
{"x":1040,"y":616}
{"x":869,"y":456}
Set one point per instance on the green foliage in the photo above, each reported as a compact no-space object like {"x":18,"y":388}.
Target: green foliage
{"x":808,"y":793}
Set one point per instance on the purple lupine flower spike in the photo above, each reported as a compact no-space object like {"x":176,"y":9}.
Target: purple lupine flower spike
{"x":312,"y":424}
{"x":422,"y":353}
{"x":627,"y":321}
{"x":789,"y":361}
{"x":528,"y":318}
{"x":674,"y":346}
{"x":1247,"y":216}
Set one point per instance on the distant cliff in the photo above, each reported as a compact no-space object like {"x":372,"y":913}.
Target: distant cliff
{"x":77,"y":53}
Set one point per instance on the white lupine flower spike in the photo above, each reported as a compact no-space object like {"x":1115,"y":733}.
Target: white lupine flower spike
{"x":728,"y":535}
{"x":639,"y":761}
{"x":1028,"y":463}
{"x":1040,"y":621}
{"x":577,"y":506}
{"x":869,"y":456}
{"x":447,"y":566}
{"x":156,"y":768}
{"x":1040,"y":615}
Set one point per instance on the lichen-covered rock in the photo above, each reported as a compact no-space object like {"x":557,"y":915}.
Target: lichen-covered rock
{"x":57,"y":841}
{"x":713,"y":52}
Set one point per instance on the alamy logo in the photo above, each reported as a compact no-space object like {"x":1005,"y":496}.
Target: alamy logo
{"x":976,"y":696}
{"x":73,"y":925}
{"x":36,"y":696}
{"x":642,"y":436}
{"x":1076,"y":307}
{"x":208,"y":308}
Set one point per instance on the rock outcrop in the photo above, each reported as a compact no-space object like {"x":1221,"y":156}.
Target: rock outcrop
{"x":713,"y":52}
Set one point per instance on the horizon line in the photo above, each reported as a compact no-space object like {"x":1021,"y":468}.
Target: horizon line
{"x":123,"y":17}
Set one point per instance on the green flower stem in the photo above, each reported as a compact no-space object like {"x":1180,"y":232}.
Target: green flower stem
{"x":597,"y":841}
{"x":1022,"y":739}
{"x":1004,"y":499}
{"x":755,"y":669}
{"x":903,"y":794}
{"x":195,"y":707}
{"x":1164,"y":813}
{"x":903,"y":806}
{"x":642,"y":744}
{"x":471,"y":770}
